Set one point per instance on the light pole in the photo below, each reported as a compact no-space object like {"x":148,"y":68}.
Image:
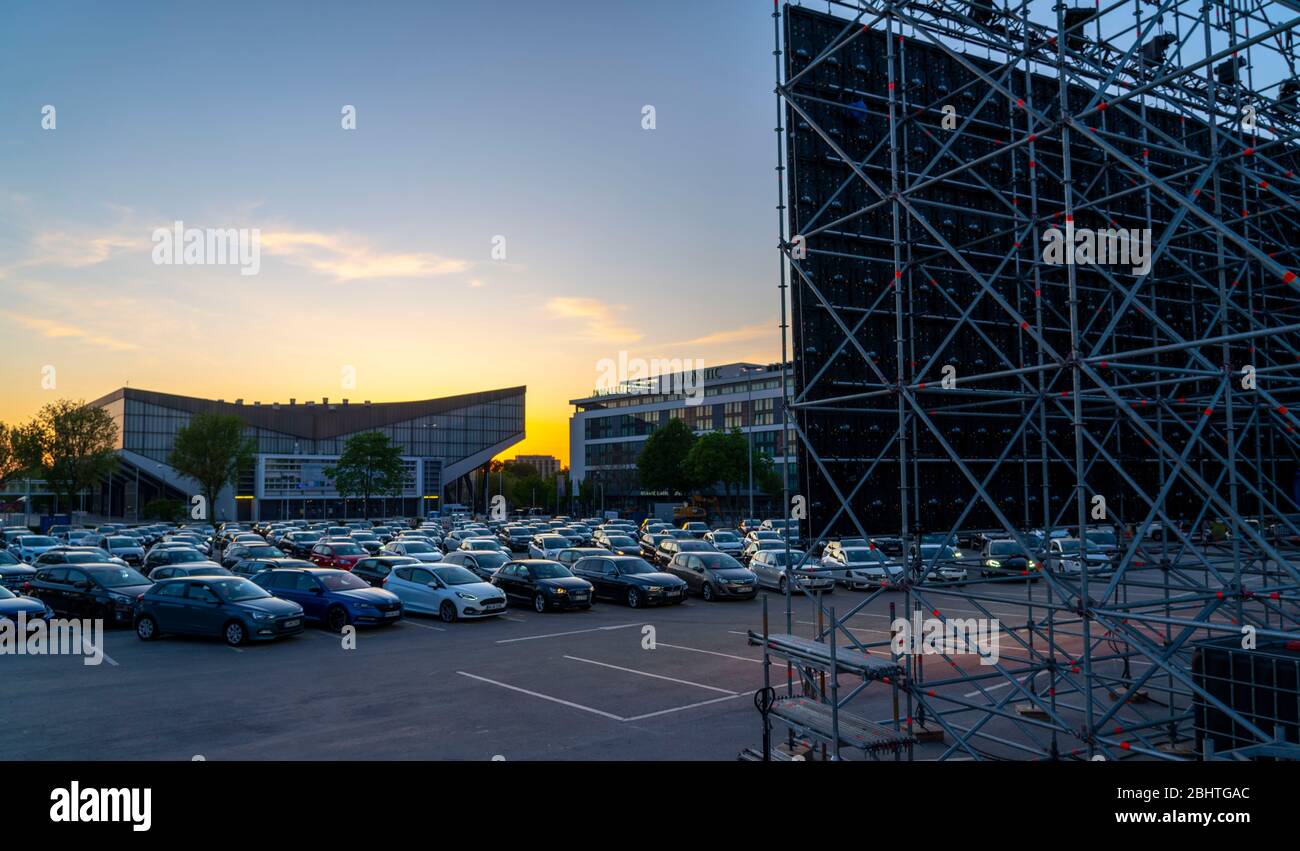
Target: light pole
{"x":749,"y":433}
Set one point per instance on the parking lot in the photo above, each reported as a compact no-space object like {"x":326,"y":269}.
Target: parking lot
{"x":608,"y":683}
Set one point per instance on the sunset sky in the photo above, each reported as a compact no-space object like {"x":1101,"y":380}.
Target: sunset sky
{"x":474,"y":119}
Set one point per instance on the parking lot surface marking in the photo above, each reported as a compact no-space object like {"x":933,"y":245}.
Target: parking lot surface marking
{"x":654,"y":676}
{"x":681,"y":708}
{"x":538,"y":694}
{"x":710,"y":652}
{"x":570,"y":632}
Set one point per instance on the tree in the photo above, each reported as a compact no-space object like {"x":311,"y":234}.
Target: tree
{"x":12,"y":461}
{"x":212,"y":450}
{"x":662,"y":462}
{"x":369,"y":466}
{"x":721,"y":457}
{"x":71,"y":444}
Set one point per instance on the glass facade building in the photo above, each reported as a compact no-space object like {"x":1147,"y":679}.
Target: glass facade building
{"x":441,"y":440}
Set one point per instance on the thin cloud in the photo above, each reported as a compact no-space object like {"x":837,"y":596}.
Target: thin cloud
{"x":599,"y":321}
{"x":349,"y":258}
{"x":760,"y":331}
{"x":63,"y":331}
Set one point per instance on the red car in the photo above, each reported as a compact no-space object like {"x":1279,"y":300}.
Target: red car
{"x":342,"y":555}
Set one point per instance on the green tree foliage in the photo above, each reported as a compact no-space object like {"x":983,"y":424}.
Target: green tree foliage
{"x":212,"y":450}
{"x":71,"y":445}
{"x":662,"y":462}
{"x":371,"y":465}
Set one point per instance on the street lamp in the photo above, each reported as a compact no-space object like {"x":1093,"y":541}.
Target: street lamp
{"x":749,"y":431}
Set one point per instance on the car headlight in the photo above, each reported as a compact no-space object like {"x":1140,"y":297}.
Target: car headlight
{"x":559,"y":591}
{"x":655,"y":589}
{"x":262,"y":616}
{"x":119,"y":598}
{"x":993,"y":563}
{"x":465,"y":596}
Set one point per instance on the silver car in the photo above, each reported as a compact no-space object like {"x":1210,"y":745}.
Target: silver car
{"x":28,"y":548}
{"x":861,"y":567}
{"x":771,"y":568}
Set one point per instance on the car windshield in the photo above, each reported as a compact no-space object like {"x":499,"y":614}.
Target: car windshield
{"x":725,"y":537}
{"x":620,"y":541}
{"x":455,"y":576}
{"x":416,"y":547}
{"x":779,"y":556}
{"x":633,"y":566}
{"x":862,"y":555}
{"x":719,"y":561}
{"x":123,"y":541}
{"x":121,"y":577}
{"x":693,"y":546}
{"x":208,"y":570}
{"x":767,"y":535}
{"x":6,"y":594}
{"x":86,"y":558}
{"x":342,"y":582}
{"x":7,"y":557}
{"x":265,"y":551}
{"x":183,"y":556}
{"x":554,"y":541}
{"x":306,"y":537}
{"x":237,"y":590}
{"x":1004,"y":548}
{"x":1103,"y":538}
{"x":491,"y":561}
{"x":348,"y":550}
{"x":549,"y":571}
{"x":37,"y":541}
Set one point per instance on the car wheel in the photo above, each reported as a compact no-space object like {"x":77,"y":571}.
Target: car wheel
{"x":539,"y":603}
{"x":633,"y":598}
{"x":447,"y":611}
{"x":707,"y":593}
{"x":146,"y":628}
{"x":781,"y":585}
{"x":234,"y":633}
{"x":336,"y":618}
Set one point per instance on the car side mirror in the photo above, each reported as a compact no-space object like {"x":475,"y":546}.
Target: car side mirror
{"x":318,"y":590}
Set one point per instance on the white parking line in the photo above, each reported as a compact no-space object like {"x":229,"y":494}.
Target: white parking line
{"x":567,"y":703}
{"x":653,"y":676}
{"x":570,"y":632}
{"x":425,"y":625}
{"x":90,"y":650}
{"x":680,"y":708}
{"x":710,"y":652}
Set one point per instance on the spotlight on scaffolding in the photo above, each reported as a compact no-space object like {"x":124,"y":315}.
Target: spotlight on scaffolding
{"x":982,"y":11}
{"x":1153,"y":52}
{"x":1227,"y":72}
{"x":1075,"y":19}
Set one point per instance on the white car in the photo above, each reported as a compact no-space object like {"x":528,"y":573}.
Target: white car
{"x":861,"y":567}
{"x":725,"y":541}
{"x":418,"y":550}
{"x":1063,"y":557}
{"x":547,"y":547}
{"x":482,"y":543}
{"x":450,"y":592}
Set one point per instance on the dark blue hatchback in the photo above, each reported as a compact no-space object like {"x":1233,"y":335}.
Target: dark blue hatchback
{"x":12,"y":605}
{"x":332,"y":597}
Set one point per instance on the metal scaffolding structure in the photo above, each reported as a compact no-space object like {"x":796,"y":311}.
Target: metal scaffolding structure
{"x":957,"y":382}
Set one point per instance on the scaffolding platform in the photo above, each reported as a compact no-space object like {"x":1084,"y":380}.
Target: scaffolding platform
{"x":818,"y":654}
{"x":812,"y":718}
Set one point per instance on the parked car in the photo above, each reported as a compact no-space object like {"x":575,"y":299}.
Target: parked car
{"x":697,"y":528}
{"x":341,"y":555}
{"x":14,"y":572}
{"x":235,"y":553}
{"x":12,"y":605}
{"x":230,"y":607}
{"x":125,"y":547}
{"x":649,"y":543}
{"x":104,"y":591}
{"x":76,"y":555}
{"x":860,"y":567}
{"x":569,"y":557}
{"x":481,"y":545}
{"x":29,"y":547}
{"x":725,"y":541}
{"x":374,"y":570}
{"x":418,"y":550}
{"x":159,"y":556}
{"x":759,"y":545}
{"x":449,"y":591}
{"x":938,"y":563}
{"x":1005,"y":557}
{"x":299,"y":543}
{"x":713,"y":575}
{"x":1063,"y":556}
{"x":250,"y":567}
{"x":629,"y":579}
{"x":196,"y":568}
{"x":773,"y":567}
{"x":332,"y":597}
{"x":481,"y":563}
{"x":751,"y":524}
{"x":621,"y":545}
{"x":670,"y":547}
{"x":547,"y":546}
{"x":545,"y":584}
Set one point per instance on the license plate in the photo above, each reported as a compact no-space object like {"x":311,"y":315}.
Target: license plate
{"x":673,"y":592}
{"x":291,"y":624}
{"x":392,"y":614}
{"x":579,"y":596}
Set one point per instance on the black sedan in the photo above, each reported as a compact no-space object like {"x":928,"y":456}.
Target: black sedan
{"x":630,"y":579}
{"x":14,"y":574}
{"x":375,"y":570}
{"x":545,"y":584}
{"x":104,"y":591}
